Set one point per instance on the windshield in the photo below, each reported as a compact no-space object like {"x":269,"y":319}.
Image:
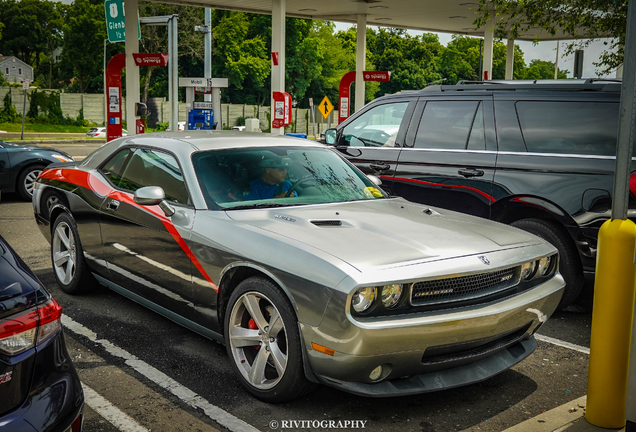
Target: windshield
{"x":279,"y":176}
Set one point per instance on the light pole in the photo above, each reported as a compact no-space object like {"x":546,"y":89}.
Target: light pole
{"x":25,"y":86}
{"x":105,"y":90}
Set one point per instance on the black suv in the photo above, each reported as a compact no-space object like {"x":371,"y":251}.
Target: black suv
{"x":536,"y":155}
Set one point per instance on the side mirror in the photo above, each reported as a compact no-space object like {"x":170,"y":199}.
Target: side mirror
{"x":375,"y":180}
{"x":330,"y":137}
{"x":153,"y":195}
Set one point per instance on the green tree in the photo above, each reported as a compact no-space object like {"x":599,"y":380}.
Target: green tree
{"x":541,"y":69}
{"x":31,"y":28}
{"x":154,"y":39}
{"x":583,"y":20}
{"x":409,"y":58}
{"x":466,"y":49}
{"x":83,"y":44}
{"x":243,"y":60}
{"x":333,"y":60}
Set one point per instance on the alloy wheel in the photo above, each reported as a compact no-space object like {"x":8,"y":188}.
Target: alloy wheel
{"x":258,"y":340}
{"x":29,"y":180}
{"x":64,"y":253}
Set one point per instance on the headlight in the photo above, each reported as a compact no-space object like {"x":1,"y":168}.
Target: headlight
{"x":363,"y":299}
{"x":391,"y":295}
{"x":545,"y":265}
{"x":527,"y":270}
{"x":62,"y":158}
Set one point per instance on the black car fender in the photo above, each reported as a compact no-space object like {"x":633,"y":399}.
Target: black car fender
{"x":516,"y":207}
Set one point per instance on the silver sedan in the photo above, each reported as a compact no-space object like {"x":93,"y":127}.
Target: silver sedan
{"x":305,"y":268}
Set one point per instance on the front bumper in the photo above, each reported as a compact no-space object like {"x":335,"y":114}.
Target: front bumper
{"x":428,"y":351}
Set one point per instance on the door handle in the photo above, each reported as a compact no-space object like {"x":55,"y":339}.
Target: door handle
{"x":113,"y":205}
{"x":470,"y":172}
{"x":377,"y":167}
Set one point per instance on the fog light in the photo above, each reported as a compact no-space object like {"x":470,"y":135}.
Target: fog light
{"x":376,"y":374}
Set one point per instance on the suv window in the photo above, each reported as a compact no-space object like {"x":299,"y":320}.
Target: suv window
{"x":451,"y":125}
{"x":586,"y":128}
{"x":153,"y":168}
{"x":377,"y":127}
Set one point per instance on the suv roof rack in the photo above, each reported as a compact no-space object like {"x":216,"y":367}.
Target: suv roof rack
{"x":590,"y":84}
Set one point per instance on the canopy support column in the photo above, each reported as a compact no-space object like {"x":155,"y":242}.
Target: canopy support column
{"x":361,"y":56}
{"x":278,"y":56}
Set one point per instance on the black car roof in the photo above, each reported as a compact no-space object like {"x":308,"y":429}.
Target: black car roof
{"x":591,"y":84}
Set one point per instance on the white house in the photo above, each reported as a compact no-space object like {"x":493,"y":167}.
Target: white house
{"x":15,"y":70}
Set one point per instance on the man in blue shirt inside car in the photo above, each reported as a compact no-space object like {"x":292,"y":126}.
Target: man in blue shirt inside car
{"x":273,"y":183}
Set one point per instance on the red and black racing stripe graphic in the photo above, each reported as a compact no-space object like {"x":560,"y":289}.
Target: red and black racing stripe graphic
{"x":89,"y":181}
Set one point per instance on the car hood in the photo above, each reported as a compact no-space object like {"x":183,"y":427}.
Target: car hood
{"x":369,"y":234}
{"x":10,"y":146}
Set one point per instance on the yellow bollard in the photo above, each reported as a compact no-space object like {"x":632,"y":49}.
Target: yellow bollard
{"x":614,"y":288}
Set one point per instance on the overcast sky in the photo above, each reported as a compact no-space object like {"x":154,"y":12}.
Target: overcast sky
{"x":541,"y":51}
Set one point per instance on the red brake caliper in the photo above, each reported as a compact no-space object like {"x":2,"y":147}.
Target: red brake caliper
{"x":251,"y":324}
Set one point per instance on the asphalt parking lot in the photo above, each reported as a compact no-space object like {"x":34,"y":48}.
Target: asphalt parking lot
{"x":145,"y":372}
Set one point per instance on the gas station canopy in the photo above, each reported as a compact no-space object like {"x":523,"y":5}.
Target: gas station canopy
{"x":446,"y":16}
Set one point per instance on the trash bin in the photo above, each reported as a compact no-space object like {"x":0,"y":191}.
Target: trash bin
{"x":297,"y":135}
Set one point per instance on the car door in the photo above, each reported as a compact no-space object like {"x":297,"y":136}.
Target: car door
{"x":449,"y":155}
{"x":143,"y":246}
{"x":374,"y":138}
{"x":5,"y":168}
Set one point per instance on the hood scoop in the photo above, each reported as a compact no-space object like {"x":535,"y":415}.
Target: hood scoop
{"x":327,"y":222}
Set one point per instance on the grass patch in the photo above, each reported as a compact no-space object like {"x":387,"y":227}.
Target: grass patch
{"x":40,"y":127}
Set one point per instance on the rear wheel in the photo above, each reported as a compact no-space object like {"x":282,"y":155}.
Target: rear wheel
{"x":569,"y":263}
{"x":26,"y":180}
{"x":263,"y":342}
{"x":69,"y":265}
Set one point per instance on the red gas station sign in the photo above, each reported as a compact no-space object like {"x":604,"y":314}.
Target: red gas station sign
{"x":148,"y":59}
{"x":377,"y":75}
{"x":282,"y":109}
{"x":345,"y":85}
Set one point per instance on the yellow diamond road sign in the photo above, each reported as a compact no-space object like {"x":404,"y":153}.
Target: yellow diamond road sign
{"x":325,"y":107}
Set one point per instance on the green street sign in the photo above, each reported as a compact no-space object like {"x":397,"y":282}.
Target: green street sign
{"x":116,"y":21}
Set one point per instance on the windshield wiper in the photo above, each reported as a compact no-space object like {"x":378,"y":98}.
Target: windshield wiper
{"x":260,"y":205}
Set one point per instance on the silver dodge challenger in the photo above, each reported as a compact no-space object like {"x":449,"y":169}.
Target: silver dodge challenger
{"x":300,"y":264}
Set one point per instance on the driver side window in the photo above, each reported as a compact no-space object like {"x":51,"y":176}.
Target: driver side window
{"x":377,"y":127}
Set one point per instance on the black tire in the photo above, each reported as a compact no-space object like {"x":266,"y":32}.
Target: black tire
{"x":266,"y":345}
{"x":67,"y":257}
{"x":49,"y":199}
{"x":26,"y":180}
{"x":569,"y":263}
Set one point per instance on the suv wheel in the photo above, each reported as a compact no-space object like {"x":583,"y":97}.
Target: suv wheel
{"x":569,"y":264}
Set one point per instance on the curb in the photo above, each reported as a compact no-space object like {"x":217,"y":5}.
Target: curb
{"x":569,"y":417}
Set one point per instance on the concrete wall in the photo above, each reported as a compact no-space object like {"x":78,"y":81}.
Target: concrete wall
{"x":159,"y":111}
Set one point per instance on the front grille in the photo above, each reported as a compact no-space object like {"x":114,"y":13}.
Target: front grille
{"x":439,"y":291}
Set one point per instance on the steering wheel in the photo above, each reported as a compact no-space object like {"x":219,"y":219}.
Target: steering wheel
{"x":298,"y":183}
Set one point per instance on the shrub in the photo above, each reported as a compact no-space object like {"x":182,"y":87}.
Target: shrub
{"x":8,"y":114}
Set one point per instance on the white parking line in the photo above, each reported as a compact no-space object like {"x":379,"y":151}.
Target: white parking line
{"x":185,"y":394}
{"x":563,"y":344}
{"x":110,"y":412}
